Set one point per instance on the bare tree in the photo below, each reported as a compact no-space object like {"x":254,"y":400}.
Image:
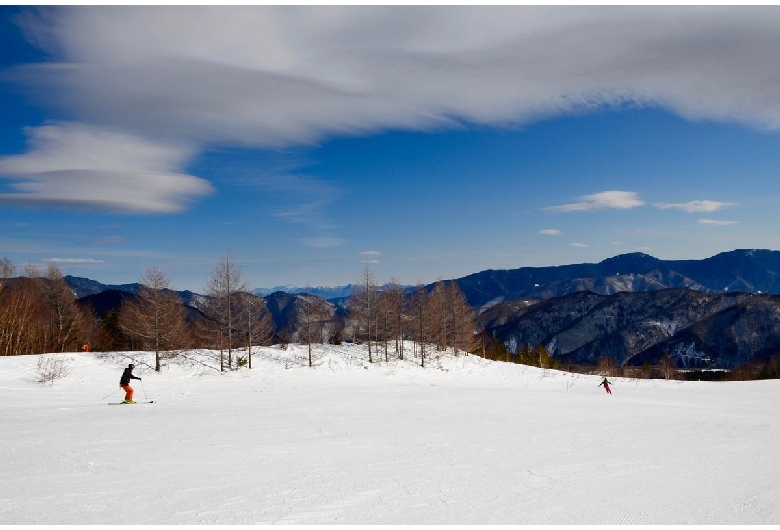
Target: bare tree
{"x":392,"y":303}
{"x":607,"y":366}
{"x":39,"y":315}
{"x":418,"y":304}
{"x":461,"y":317}
{"x":223,"y":287}
{"x":31,"y":270}
{"x":363,"y":306}
{"x":437,"y":315}
{"x":20,"y":327}
{"x":450,"y":319}
{"x":668,"y":367}
{"x":264,"y":330}
{"x":385,"y":321}
{"x":156,"y":317}
{"x":258,"y":325}
{"x":7,"y":271}
{"x":307,"y":318}
{"x":65,"y":316}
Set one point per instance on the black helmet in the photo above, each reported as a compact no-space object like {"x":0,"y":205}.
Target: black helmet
{"x":131,"y":366}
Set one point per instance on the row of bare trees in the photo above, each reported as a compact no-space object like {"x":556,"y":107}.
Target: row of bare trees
{"x":231,"y":317}
{"x":39,"y":314}
{"x":440,"y":318}
{"x":238,"y":317}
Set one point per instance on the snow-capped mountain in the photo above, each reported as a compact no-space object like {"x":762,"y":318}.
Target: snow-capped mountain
{"x":340,"y":291}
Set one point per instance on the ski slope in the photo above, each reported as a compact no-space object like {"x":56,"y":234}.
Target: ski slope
{"x":463,"y":441}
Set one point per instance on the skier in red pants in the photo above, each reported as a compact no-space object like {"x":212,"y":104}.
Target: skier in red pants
{"x":124,"y":383}
{"x":606,"y":385}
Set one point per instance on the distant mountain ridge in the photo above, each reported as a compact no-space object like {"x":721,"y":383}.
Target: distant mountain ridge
{"x":738,"y":270}
{"x":328,"y":293}
{"x":82,"y":287}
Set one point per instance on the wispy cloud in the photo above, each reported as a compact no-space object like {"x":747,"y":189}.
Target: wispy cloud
{"x":108,"y":241}
{"x":551,"y":232}
{"x":614,"y":200}
{"x":323,"y":242}
{"x":695,"y":206}
{"x":299,"y":199}
{"x":72,"y":260}
{"x":579,"y":245}
{"x":73,"y":165}
{"x":369,"y":253}
{"x":275,"y":75}
{"x":717,"y":222}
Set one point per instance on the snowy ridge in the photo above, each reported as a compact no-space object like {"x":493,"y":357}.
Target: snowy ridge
{"x":463,"y":440}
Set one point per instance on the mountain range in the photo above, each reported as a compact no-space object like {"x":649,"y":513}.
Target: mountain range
{"x":737,"y":270}
{"x":718,"y":312}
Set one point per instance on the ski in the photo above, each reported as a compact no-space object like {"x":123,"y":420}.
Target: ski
{"x":136,"y":403}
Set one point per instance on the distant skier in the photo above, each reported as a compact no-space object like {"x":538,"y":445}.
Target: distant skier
{"x":124,"y":383}
{"x":606,"y":385}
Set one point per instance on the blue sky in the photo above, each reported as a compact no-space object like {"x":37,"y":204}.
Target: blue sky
{"x":428,"y":142}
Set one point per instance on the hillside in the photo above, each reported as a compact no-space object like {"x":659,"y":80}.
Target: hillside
{"x":698,"y":330}
{"x":465,"y":441}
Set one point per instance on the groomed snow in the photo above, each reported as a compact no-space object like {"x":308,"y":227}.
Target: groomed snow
{"x":462,"y":441}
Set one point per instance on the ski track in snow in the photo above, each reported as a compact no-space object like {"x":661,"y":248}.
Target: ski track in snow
{"x":463,"y":440}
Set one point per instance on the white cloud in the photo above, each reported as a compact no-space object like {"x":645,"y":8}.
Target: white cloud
{"x":579,"y":245}
{"x":551,"y":232}
{"x":716,"y":222}
{"x":272,"y":75}
{"x":72,"y":260}
{"x":695,"y":206}
{"x":267,"y":76}
{"x":78,"y":166}
{"x":370,"y":253}
{"x":616,"y":200}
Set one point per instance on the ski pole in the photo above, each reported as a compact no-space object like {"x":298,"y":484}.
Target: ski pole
{"x":144,"y":389}
{"x":112,"y":393}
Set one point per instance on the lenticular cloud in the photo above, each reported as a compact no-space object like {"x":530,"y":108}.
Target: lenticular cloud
{"x":79,"y":166}
{"x":265,"y":76}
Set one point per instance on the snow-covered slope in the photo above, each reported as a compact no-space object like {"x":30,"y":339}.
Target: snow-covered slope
{"x":463,"y":440}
